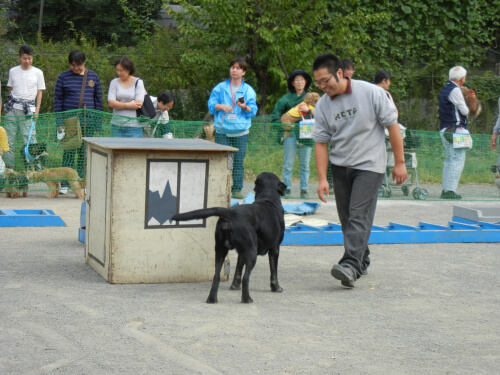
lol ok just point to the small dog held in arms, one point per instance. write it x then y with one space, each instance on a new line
252 229
53 177
294 115
473 104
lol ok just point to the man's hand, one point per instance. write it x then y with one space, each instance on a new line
323 187
493 141
321 155
399 173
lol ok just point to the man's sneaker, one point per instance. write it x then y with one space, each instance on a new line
450 195
64 190
344 274
237 195
288 193
303 194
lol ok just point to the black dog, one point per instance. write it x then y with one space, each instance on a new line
38 151
252 229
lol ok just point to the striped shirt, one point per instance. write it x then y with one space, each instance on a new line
68 89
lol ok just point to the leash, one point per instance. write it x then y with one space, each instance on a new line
30 158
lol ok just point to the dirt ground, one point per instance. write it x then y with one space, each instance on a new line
422 309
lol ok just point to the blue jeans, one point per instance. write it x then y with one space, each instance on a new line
453 165
290 148
356 193
126 132
238 156
21 125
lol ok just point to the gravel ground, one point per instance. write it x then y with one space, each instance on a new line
423 309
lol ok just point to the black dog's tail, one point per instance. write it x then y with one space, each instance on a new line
202 214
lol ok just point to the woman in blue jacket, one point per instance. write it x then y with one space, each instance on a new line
233 103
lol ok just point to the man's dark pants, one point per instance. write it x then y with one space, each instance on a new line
356 193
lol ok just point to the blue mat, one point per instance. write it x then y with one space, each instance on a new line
304 208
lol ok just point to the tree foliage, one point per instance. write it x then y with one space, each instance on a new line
417 41
275 36
124 22
427 36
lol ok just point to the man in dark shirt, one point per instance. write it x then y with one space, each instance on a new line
67 97
453 113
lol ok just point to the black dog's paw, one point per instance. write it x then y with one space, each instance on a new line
276 288
246 300
235 286
211 299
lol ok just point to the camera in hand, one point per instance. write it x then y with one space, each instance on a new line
241 100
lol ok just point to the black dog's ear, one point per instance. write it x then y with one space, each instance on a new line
258 185
281 188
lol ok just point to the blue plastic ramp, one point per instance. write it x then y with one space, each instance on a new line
30 218
456 231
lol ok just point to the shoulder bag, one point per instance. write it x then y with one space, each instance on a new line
72 129
148 109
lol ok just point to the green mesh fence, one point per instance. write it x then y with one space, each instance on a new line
424 156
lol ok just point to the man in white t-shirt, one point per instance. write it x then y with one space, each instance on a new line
26 84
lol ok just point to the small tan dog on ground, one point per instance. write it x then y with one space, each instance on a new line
17 184
53 177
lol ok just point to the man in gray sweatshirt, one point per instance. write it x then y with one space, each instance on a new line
351 118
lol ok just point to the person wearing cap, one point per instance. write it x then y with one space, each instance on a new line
298 83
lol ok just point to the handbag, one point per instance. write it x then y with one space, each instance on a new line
72 129
148 109
462 140
306 128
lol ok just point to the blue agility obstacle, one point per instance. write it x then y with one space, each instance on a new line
467 225
458 230
30 218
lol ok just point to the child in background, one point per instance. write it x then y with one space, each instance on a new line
208 129
163 103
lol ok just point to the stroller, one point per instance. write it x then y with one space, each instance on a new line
388 183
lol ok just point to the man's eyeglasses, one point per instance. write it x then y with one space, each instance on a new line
322 82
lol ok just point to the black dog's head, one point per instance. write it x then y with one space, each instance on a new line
35 149
268 184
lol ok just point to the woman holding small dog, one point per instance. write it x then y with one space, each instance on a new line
298 83
233 103
125 96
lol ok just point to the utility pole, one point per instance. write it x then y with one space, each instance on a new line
40 18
